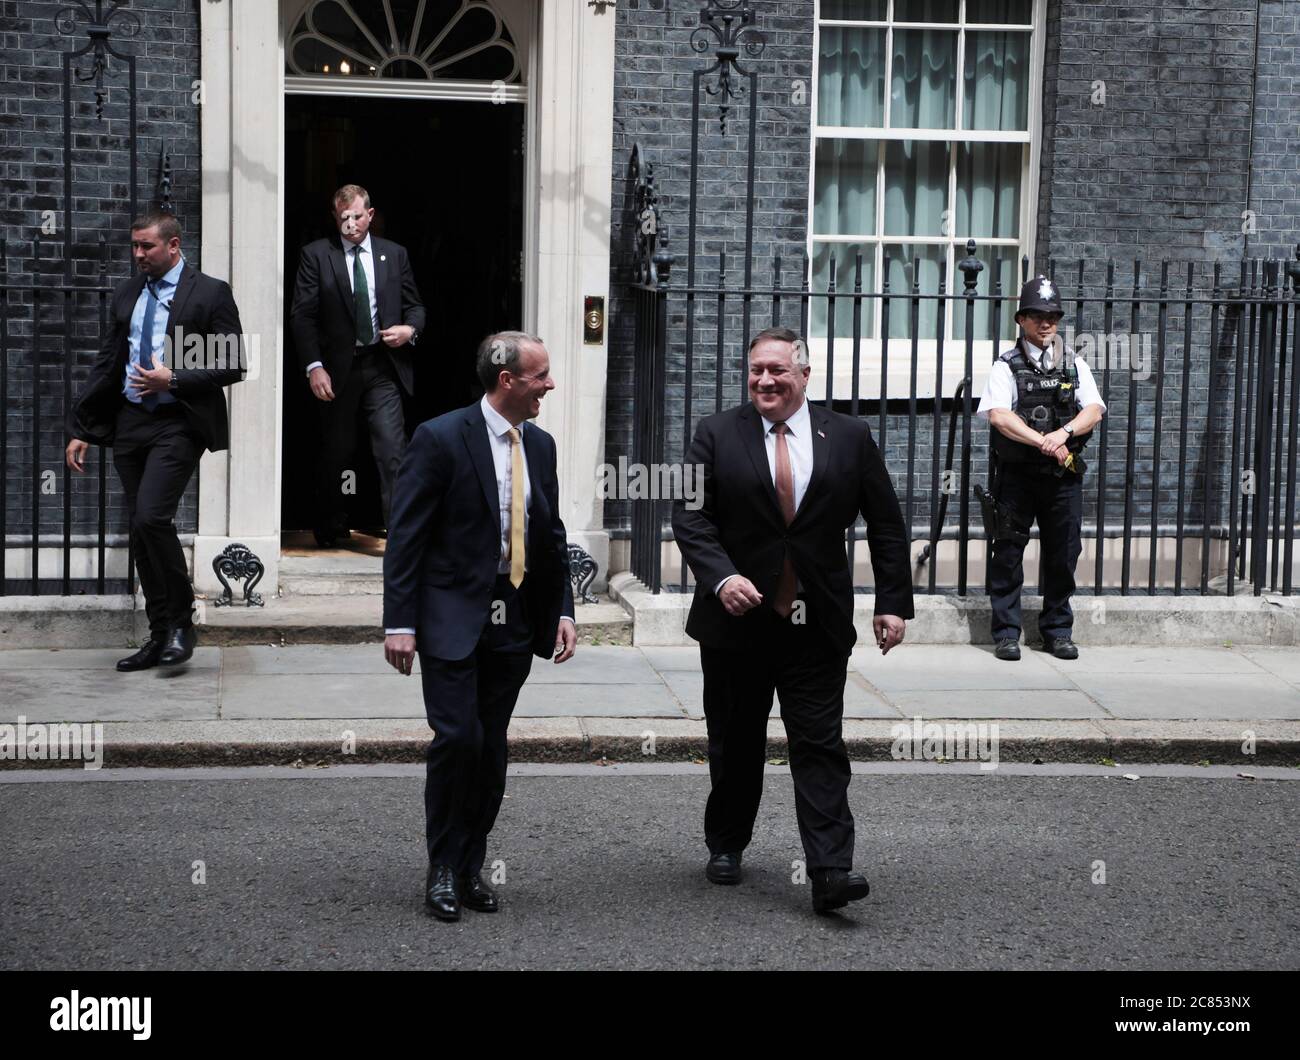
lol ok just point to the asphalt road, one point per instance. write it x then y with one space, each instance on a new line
605 870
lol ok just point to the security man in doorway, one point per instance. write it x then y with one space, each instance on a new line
1042 403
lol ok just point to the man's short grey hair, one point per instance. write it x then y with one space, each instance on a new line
500 351
800 355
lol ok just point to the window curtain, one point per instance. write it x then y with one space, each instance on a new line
844 190
995 88
844 256
851 77
923 92
916 172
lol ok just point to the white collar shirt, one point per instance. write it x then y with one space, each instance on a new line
368 265
798 440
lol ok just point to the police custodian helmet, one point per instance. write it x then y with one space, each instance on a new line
1040 295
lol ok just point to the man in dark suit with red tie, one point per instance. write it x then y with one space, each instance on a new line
356 317
773 606
156 396
476 579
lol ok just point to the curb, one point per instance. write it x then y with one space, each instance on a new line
575 740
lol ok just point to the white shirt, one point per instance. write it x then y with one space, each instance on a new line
1000 390
798 442
368 266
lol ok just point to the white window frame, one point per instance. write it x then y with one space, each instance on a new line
900 350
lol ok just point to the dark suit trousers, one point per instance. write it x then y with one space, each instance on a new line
1057 505
469 703
808 675
372 389
155 454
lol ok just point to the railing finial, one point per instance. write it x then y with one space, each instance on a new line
971 267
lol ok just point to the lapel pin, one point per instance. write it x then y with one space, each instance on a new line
821 434
383 257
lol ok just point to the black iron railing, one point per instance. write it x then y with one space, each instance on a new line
1202 447
43 324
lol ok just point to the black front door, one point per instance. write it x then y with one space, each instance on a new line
446 181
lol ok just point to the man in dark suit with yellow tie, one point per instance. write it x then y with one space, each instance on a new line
476 579
773 605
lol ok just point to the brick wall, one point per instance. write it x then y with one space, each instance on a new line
653 82
1161 171
32 166
1275 153
1158 172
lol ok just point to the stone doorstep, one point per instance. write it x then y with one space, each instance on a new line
633 615
571 740
1175 621
117 621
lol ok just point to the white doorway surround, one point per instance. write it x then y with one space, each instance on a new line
566 58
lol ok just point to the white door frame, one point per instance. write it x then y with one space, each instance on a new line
569 72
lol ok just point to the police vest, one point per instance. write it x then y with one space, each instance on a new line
1045 401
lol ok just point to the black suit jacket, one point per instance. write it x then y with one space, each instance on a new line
322 319
740 530
201 305
444 538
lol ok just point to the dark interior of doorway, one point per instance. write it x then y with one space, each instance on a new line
446 181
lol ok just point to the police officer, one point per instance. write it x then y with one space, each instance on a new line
1042 404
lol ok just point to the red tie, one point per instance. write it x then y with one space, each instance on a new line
783 602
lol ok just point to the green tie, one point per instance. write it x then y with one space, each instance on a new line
361 300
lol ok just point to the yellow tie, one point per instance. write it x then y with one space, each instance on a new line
516 552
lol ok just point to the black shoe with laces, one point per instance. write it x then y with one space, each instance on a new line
440 896
146 657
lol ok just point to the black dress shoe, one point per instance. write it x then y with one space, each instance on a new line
1007 649
477 895
146 657
834 888
723 868
440 896
1061 647
179 646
